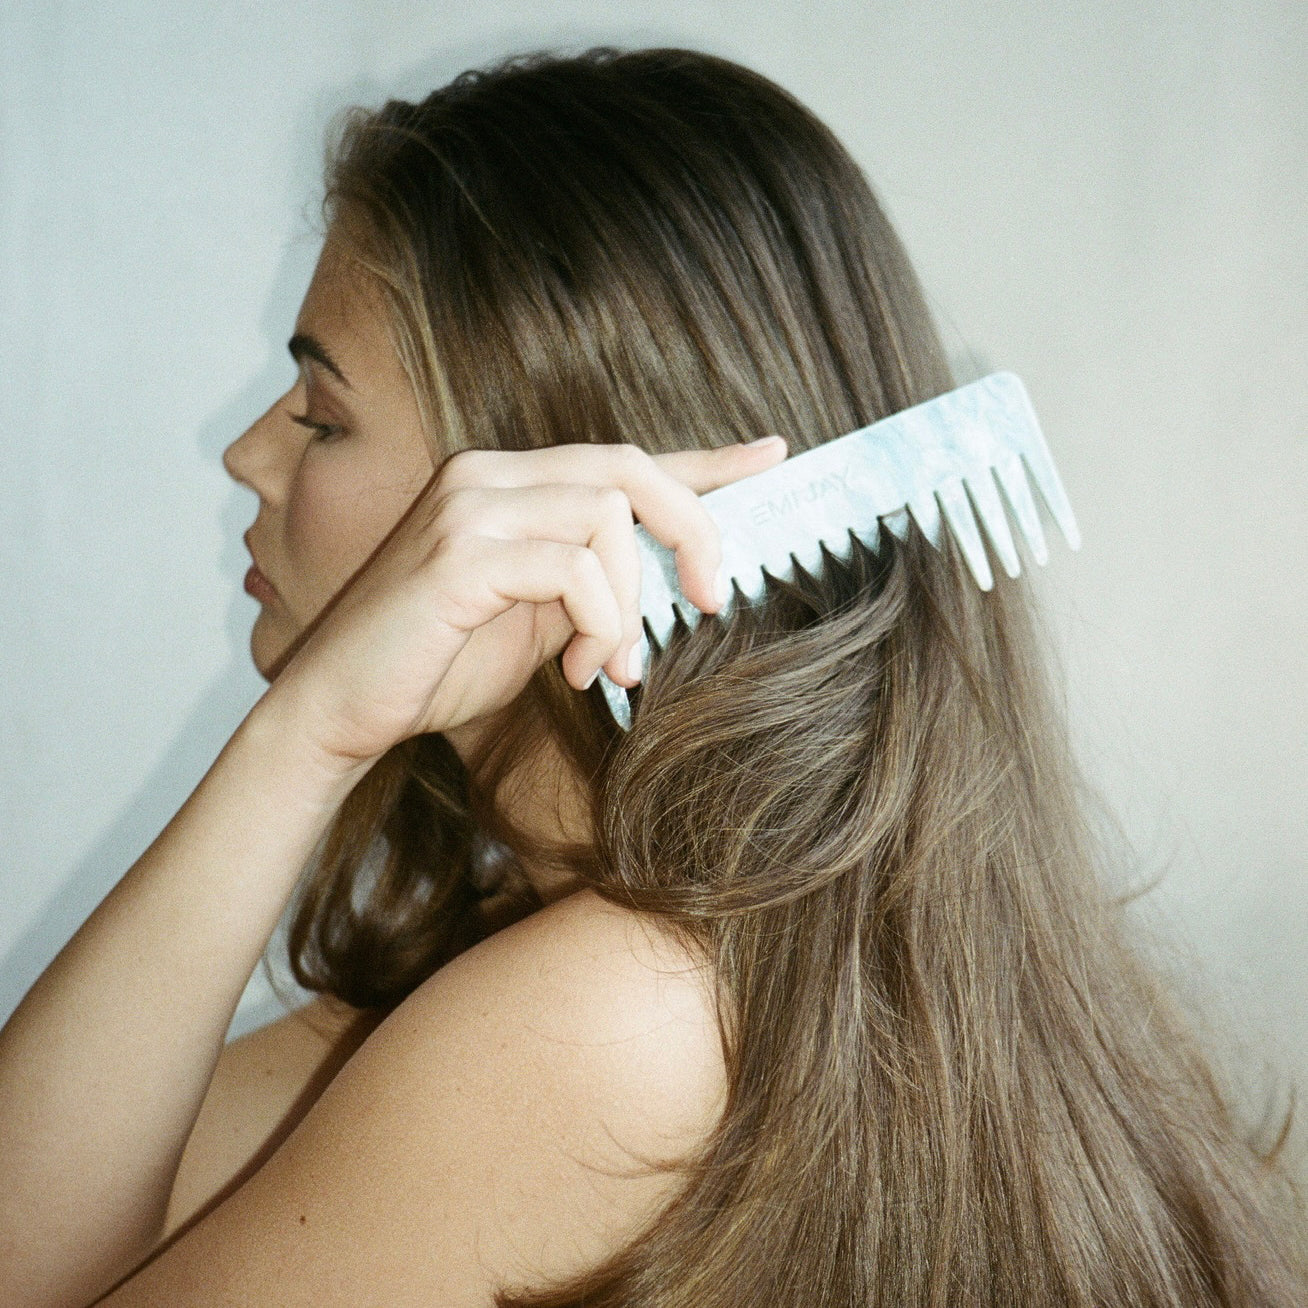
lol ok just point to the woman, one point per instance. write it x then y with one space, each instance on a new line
809 990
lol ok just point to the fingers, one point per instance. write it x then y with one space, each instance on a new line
543 571
591 522
662 491
691 532
706 470
614 541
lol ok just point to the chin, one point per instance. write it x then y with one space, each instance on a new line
269 649
262 665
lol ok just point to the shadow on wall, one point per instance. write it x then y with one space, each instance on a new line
220 706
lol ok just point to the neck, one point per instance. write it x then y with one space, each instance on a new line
540 794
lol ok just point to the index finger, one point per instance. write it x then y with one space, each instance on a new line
682 523
707 470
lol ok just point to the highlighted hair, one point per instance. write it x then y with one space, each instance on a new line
952 1078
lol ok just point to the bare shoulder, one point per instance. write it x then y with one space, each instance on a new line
263 1085
598 1030
613 988
505 1126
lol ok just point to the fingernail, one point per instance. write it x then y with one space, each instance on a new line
765 440
591 682
636 660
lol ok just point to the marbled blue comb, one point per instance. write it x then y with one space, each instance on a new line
942 463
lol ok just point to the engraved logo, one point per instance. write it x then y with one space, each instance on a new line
764 511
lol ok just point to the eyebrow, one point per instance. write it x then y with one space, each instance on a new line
303 346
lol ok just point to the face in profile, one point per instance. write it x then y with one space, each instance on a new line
335 461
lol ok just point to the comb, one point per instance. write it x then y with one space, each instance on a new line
942 463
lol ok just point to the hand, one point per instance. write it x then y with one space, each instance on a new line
504 559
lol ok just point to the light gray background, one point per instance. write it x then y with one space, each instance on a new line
1108 199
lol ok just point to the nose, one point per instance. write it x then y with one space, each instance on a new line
259 457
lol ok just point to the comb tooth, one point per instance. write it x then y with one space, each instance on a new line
809 556
751 584
661 621
777 562
927 512
1012 478
874 539
842 547
865 525
990 509
897 523
616 698
1045 476
958 513
799 565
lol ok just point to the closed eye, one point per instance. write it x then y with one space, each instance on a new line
321 430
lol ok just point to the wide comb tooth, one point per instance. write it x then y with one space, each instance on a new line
990 510
926 512
808 556
751 583
1045 476
1012 477
958 512
897 523
840 545
616 698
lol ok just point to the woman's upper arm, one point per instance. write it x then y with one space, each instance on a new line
488 1133
263 1085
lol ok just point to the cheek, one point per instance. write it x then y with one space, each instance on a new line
332 525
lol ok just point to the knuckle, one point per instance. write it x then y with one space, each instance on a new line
463 468
459 509
631 460
584 567
448 552
613 502
689 506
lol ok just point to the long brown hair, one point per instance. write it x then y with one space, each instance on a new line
951 1078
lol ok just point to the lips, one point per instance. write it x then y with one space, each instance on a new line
256 584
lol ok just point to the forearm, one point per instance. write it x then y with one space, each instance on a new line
105 1064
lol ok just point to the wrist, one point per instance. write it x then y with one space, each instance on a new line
278 730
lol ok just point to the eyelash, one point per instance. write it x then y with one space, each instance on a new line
322 431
